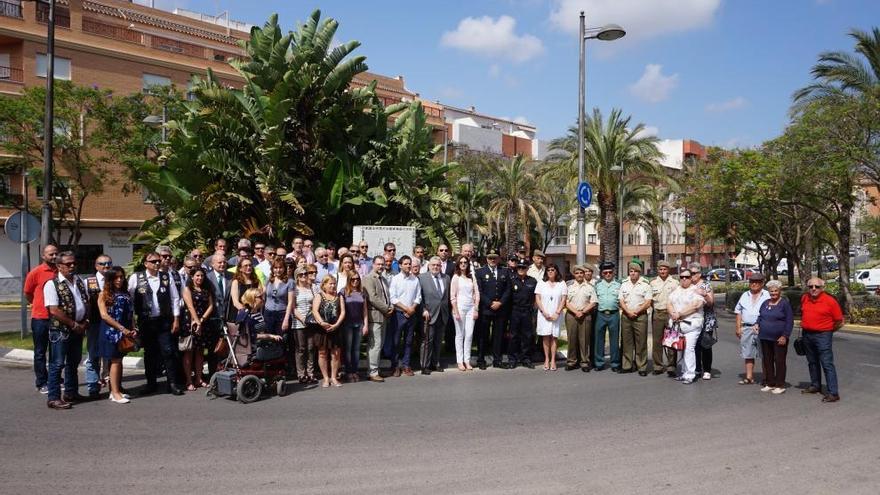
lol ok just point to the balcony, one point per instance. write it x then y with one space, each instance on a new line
111 31
174 46
62 15
11 74
10 8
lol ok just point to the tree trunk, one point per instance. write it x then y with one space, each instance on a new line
843 235
509 233
656 255
609 229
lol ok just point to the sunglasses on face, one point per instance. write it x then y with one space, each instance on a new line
197 256
390 250
259 248
688 277
607 272
165 256
551 269
70 264
105 263
270 254
815 286
151 261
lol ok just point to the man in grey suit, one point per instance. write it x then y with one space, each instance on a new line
220 281
379 303
436 310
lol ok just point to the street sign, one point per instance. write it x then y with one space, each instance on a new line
585 194
14 228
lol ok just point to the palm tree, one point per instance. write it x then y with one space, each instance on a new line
647 202
513 209
608 145
843 74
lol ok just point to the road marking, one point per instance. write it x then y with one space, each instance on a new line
869 364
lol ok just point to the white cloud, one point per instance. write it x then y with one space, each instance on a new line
724 106
642 19
654 86
648 131
489 37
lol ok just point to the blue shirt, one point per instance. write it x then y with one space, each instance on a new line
608 293
775 320
749 310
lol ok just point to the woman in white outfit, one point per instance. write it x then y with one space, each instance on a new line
465 298
686 307
550 297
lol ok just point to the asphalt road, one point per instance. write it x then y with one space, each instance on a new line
519 431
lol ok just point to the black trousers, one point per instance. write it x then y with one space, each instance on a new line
704 357
432 343
490 328
522 335
159 344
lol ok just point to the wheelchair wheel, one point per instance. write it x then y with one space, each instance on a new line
281 388
249 389
211 392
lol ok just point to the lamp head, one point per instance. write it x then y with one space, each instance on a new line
610 32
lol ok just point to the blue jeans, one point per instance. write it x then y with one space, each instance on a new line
820 355
351 353
93 361
40 334
403 327
612 324
65 353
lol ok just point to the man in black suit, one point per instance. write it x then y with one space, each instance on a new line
493 283
447 264
221 281
436 314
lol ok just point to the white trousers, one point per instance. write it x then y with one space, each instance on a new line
687 364
464 333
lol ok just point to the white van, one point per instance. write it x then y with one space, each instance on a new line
782 267
869 278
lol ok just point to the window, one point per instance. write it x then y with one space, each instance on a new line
62 67
10 8
152 80
60 189
591 238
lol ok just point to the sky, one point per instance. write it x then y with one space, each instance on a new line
721 72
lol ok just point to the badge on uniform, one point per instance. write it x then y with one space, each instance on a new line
162 289
487 276
515 287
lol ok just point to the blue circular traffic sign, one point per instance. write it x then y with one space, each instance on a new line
585 194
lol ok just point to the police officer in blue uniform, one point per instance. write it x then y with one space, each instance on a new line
522 302
493 282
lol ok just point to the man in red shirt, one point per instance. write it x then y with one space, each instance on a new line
821 317
33 290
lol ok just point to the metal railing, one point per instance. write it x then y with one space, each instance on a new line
62 15
111 31
10 9
12 74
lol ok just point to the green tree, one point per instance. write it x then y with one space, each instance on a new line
609 145
83 146
513 209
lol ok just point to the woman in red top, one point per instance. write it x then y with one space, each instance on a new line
821 317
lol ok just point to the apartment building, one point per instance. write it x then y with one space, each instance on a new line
469 130
112 44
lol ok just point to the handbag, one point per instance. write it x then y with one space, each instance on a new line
185 343
799 347
708 338
127 344
672 336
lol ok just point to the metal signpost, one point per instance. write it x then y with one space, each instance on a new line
23 228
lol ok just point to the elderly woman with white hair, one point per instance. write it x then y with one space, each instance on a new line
710 323
774 325
685 307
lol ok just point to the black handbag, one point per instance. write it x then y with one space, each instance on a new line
799 347
710 333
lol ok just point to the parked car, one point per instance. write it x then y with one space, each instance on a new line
870 278
720 275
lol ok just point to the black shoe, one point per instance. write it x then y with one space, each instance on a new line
570 367
586 369
438 369
657 372
72 398
174 390
498 365
426 371
626 371
810 390
482 366
671 374
599 368
615 369
529 365
643 373
94 395
511 365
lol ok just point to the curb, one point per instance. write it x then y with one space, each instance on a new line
24 356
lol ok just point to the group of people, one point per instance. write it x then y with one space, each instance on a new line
322 303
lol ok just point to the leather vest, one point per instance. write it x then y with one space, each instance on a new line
143 296
67 301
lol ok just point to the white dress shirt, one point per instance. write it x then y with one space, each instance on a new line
50 296
154 280
405 290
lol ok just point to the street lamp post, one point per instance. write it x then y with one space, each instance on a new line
48 129
467 217
609 32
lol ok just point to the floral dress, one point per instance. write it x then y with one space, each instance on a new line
209 331
121 311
